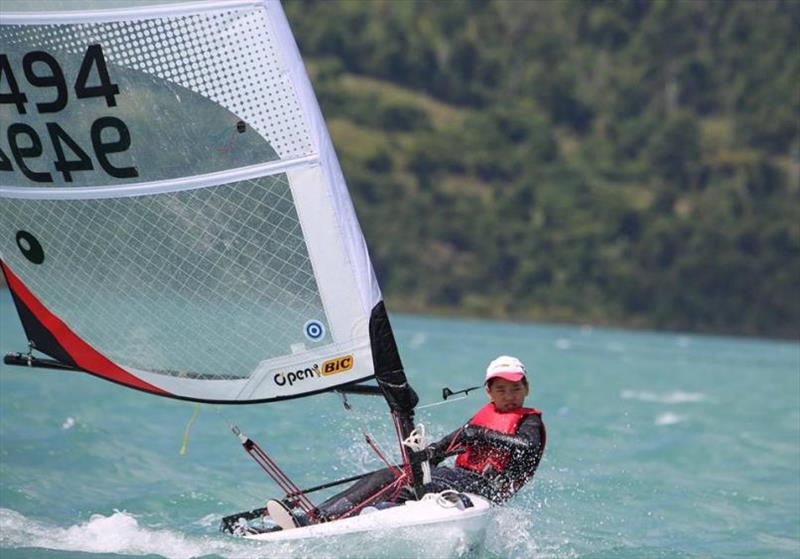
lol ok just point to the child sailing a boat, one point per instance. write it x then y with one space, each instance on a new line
497 452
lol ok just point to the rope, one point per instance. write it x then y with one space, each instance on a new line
432 404
404 454
371 442
417 443
187 430
277 475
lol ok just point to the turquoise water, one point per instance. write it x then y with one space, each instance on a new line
659 445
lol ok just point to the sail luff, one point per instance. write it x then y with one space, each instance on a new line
357 252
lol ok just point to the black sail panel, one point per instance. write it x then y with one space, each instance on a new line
391 377
38 335
388 367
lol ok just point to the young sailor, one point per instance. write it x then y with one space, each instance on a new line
498 451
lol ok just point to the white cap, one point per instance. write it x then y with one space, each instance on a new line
505 367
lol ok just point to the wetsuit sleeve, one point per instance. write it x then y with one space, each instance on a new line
444 447
520 441
527 454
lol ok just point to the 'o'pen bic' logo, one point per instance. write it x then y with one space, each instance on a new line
337 365
329 367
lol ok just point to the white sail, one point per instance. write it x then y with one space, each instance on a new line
172 213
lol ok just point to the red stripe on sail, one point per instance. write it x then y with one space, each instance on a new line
84 355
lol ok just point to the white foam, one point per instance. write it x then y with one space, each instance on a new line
209 520
670 418
118 533
69 423
563 343
510 535
674 397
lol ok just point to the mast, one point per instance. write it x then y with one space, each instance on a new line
391 378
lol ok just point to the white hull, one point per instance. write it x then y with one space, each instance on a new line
466 527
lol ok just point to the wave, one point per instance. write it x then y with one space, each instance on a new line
670 418
119 533
510 534
674 397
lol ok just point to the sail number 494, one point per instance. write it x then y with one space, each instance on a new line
108 134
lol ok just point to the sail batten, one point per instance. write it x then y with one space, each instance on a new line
168 8
157 187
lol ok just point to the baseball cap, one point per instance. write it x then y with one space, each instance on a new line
505 367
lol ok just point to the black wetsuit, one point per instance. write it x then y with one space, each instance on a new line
526 447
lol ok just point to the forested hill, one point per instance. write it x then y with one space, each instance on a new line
632 163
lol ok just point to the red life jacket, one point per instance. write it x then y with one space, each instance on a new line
482 457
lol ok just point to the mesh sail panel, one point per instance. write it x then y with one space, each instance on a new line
185 83
171 206
205 282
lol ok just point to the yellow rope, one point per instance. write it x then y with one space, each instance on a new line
187 430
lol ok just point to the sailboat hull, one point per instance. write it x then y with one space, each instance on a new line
464 528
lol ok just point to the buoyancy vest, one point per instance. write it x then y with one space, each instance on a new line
482 457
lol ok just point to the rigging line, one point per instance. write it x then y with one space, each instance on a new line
403 451
396 486
273 470
262 458
277 472
269 466
455 441
448 401
370 441
288 485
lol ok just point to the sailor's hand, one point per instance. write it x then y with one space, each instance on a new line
433 454
425 455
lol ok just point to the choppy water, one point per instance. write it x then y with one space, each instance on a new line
659 445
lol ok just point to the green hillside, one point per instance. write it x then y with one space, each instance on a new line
628 162
631 163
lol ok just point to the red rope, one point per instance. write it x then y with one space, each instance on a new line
377 451
397 485
454 442
404 453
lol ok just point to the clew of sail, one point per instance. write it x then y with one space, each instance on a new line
173 216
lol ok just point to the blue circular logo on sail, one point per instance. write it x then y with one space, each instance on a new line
314 330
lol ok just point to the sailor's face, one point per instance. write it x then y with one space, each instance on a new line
507 395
